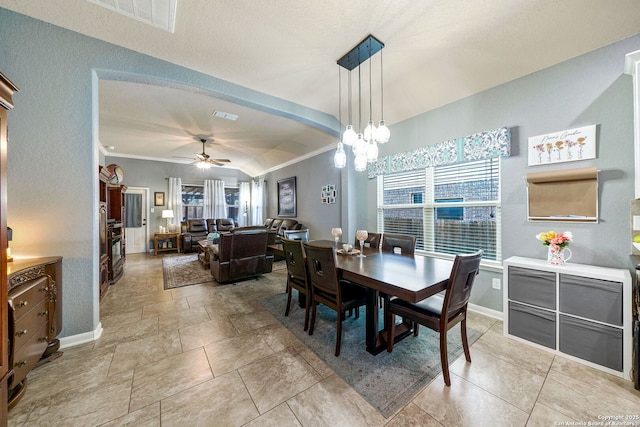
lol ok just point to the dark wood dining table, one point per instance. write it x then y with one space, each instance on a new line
410 277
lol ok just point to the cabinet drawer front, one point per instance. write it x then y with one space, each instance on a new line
28 355
28 324
29 295
533 287
590 341
591 298
532 324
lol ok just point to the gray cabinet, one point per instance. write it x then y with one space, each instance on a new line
580 311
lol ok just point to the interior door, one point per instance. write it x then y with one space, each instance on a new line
136 232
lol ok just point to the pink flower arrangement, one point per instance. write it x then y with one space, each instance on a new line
557 240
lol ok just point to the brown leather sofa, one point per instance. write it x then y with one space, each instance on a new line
240 254
192 230
225 224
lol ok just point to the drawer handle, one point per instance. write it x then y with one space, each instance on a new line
44 289
43 339
44 313
22 333
22 304
20 364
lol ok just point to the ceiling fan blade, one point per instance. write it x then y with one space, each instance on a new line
222 160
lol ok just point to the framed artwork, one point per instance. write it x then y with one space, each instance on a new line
328 194
158 198
287 197
563 146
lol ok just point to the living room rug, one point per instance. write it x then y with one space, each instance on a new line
387 381
184 270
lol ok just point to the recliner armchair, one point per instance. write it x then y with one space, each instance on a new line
192 230
225 225
240 254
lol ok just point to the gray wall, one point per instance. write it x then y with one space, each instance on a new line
154 174
311 175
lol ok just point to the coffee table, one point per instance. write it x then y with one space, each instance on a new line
203 252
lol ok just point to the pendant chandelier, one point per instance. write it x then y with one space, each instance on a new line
364 142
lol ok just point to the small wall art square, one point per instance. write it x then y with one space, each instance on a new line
328 194
564 146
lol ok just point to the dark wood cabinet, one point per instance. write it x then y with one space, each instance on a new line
7 89
103 278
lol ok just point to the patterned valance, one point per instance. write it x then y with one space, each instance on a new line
483 145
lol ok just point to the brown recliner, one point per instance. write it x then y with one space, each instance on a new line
240 254
192 230
224 225
211 226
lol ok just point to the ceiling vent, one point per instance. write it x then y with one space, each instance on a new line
223 115
157 13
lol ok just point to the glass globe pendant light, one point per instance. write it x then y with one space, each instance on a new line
349 136
370 130
382 133
340 158
372 151
360 161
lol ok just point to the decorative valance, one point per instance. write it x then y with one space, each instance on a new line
483 145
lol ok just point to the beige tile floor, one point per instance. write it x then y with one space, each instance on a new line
212 356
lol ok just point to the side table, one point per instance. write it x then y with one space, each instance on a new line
164 236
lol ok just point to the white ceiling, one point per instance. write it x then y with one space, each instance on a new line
435 52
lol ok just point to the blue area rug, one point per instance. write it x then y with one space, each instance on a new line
387 381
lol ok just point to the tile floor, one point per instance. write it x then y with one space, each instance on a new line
211 356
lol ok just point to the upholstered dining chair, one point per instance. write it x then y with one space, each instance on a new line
297 234
404 243
441 313
297 277
329 289
372 241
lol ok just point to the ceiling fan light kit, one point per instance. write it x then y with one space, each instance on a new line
363 142
203 160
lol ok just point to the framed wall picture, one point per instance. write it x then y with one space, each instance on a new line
158 198
563 146
287 197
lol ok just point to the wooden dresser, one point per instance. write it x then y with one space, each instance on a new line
35 317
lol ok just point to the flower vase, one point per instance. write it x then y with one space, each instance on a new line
556 255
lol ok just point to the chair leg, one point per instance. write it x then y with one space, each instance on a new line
391 331
357 312
465 343
313 317
444 358
338 336
416 328
286 312
306 313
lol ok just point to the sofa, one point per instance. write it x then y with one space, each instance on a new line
240 254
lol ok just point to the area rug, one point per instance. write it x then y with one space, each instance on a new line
184 270
387 381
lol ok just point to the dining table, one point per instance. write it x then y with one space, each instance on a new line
410 277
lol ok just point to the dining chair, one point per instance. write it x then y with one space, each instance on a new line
296 275
329 289
438 312
297 234
404 243
372 241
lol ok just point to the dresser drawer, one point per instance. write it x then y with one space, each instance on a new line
533 287
26 357
28 296
595 299
30 322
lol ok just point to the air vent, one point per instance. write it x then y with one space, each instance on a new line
157 13
223 115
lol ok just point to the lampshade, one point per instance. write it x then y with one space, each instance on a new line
340 158
167 213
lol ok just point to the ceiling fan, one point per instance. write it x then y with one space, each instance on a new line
203 160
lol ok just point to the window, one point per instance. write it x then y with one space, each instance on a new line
232 196
449 209
192 201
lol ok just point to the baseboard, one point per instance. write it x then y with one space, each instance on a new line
74 340
486 311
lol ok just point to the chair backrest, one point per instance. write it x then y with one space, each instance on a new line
372 241
267 223
211 226
196 225
463 273
321 267
297 235
295 258
275 224
287 224
249 242
224 224
406 244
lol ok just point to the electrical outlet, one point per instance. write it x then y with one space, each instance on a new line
496 283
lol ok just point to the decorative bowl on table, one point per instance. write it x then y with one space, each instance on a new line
348 252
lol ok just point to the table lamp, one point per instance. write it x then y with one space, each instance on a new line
9 237
167 213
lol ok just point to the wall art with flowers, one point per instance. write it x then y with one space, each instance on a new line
563 146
